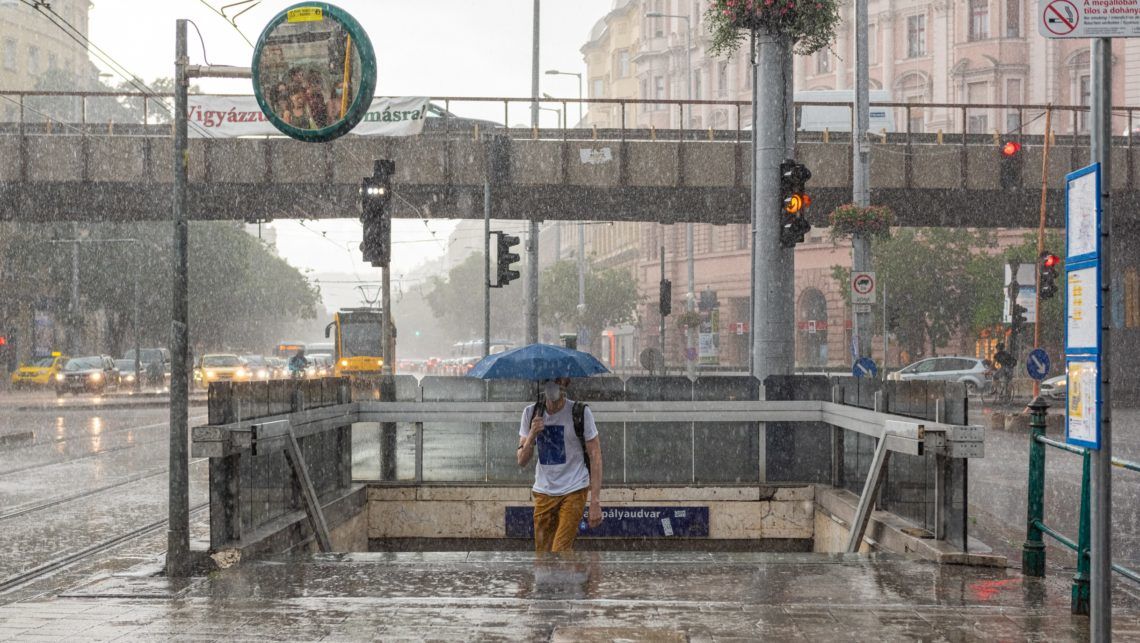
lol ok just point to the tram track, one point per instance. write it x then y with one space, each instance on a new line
59 500
28 576
96 452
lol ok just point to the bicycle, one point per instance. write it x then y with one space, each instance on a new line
1001 391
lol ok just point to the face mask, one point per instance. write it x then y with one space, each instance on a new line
552 391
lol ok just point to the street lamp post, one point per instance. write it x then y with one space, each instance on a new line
581 227
555 72
690 296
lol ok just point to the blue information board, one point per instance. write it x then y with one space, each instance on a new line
624 522
1083 305
1037 365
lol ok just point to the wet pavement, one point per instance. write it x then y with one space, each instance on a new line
588 596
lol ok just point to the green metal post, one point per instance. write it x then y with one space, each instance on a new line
1033 551
1080 602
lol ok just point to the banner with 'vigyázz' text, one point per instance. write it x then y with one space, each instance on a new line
232 116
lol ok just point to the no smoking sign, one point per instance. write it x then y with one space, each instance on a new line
862 288
1083 19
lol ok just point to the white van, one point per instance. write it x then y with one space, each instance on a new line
837 118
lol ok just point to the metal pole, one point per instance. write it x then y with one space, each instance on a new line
178 525
1033 549
886 333
861 175
691 333
579 100
486 267
532 241
1041 238
771 339
1100 620
388 376
581 282
135 322
74 303
659 305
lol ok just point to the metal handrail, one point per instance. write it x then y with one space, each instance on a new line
1033 551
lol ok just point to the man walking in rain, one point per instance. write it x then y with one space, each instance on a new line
569 464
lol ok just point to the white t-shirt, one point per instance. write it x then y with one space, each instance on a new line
561 467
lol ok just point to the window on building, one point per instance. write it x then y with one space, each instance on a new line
33 60
53 62
623 63
659 88
1013 97
722 79
598 88
872 44
657 24
10 54
977 121
742 234
916 36
697 95
823 62
1012 18
979 19
1083 95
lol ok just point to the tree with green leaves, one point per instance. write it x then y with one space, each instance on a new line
457 301
610 295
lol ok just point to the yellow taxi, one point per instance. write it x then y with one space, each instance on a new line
221 367
40 372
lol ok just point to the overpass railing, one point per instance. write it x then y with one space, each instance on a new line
662 431
137 113
1033 550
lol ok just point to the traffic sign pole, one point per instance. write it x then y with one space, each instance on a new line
1100 621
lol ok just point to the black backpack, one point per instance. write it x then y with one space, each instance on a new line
578 411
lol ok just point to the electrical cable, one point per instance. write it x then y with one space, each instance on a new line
201 40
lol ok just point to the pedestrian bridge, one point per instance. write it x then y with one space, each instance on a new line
108 172
698 465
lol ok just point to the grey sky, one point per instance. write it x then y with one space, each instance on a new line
436 48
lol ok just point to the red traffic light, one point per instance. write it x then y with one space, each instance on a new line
1050 261
3 340
1011 148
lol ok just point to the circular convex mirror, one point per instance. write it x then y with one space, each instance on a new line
314 72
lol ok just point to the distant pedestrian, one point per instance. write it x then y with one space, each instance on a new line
569 466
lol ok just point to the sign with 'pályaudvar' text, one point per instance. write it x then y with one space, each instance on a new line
624 522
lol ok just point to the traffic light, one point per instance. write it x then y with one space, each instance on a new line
375 194
794 201
665 301
503 272
1017 317
1011 162
1047 274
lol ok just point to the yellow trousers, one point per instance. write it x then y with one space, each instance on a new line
556 520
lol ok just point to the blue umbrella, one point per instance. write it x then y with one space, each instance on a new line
537 362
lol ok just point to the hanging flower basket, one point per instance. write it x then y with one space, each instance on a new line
873 221
810 24
689 319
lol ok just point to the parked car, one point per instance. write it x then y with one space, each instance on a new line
92 374
38 373
320 365
1056 387
971 371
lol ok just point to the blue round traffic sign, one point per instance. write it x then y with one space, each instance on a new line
1037 365
863 367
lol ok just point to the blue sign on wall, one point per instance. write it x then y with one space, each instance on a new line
864 367
624 522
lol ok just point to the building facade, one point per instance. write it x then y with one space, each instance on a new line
33 49
981 52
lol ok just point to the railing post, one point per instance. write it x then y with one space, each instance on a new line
1033 551
1080 601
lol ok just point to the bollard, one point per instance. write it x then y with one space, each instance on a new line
1033 551
1080 601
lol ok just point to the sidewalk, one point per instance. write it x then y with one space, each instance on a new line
591 596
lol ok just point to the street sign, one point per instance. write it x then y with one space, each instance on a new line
1037 365
314 72
1084 19
864 367
862 288
1083 306
1026 293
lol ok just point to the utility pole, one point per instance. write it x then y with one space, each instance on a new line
861 165
1100 135
178 509
581 283
532 238
773 280
487 266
